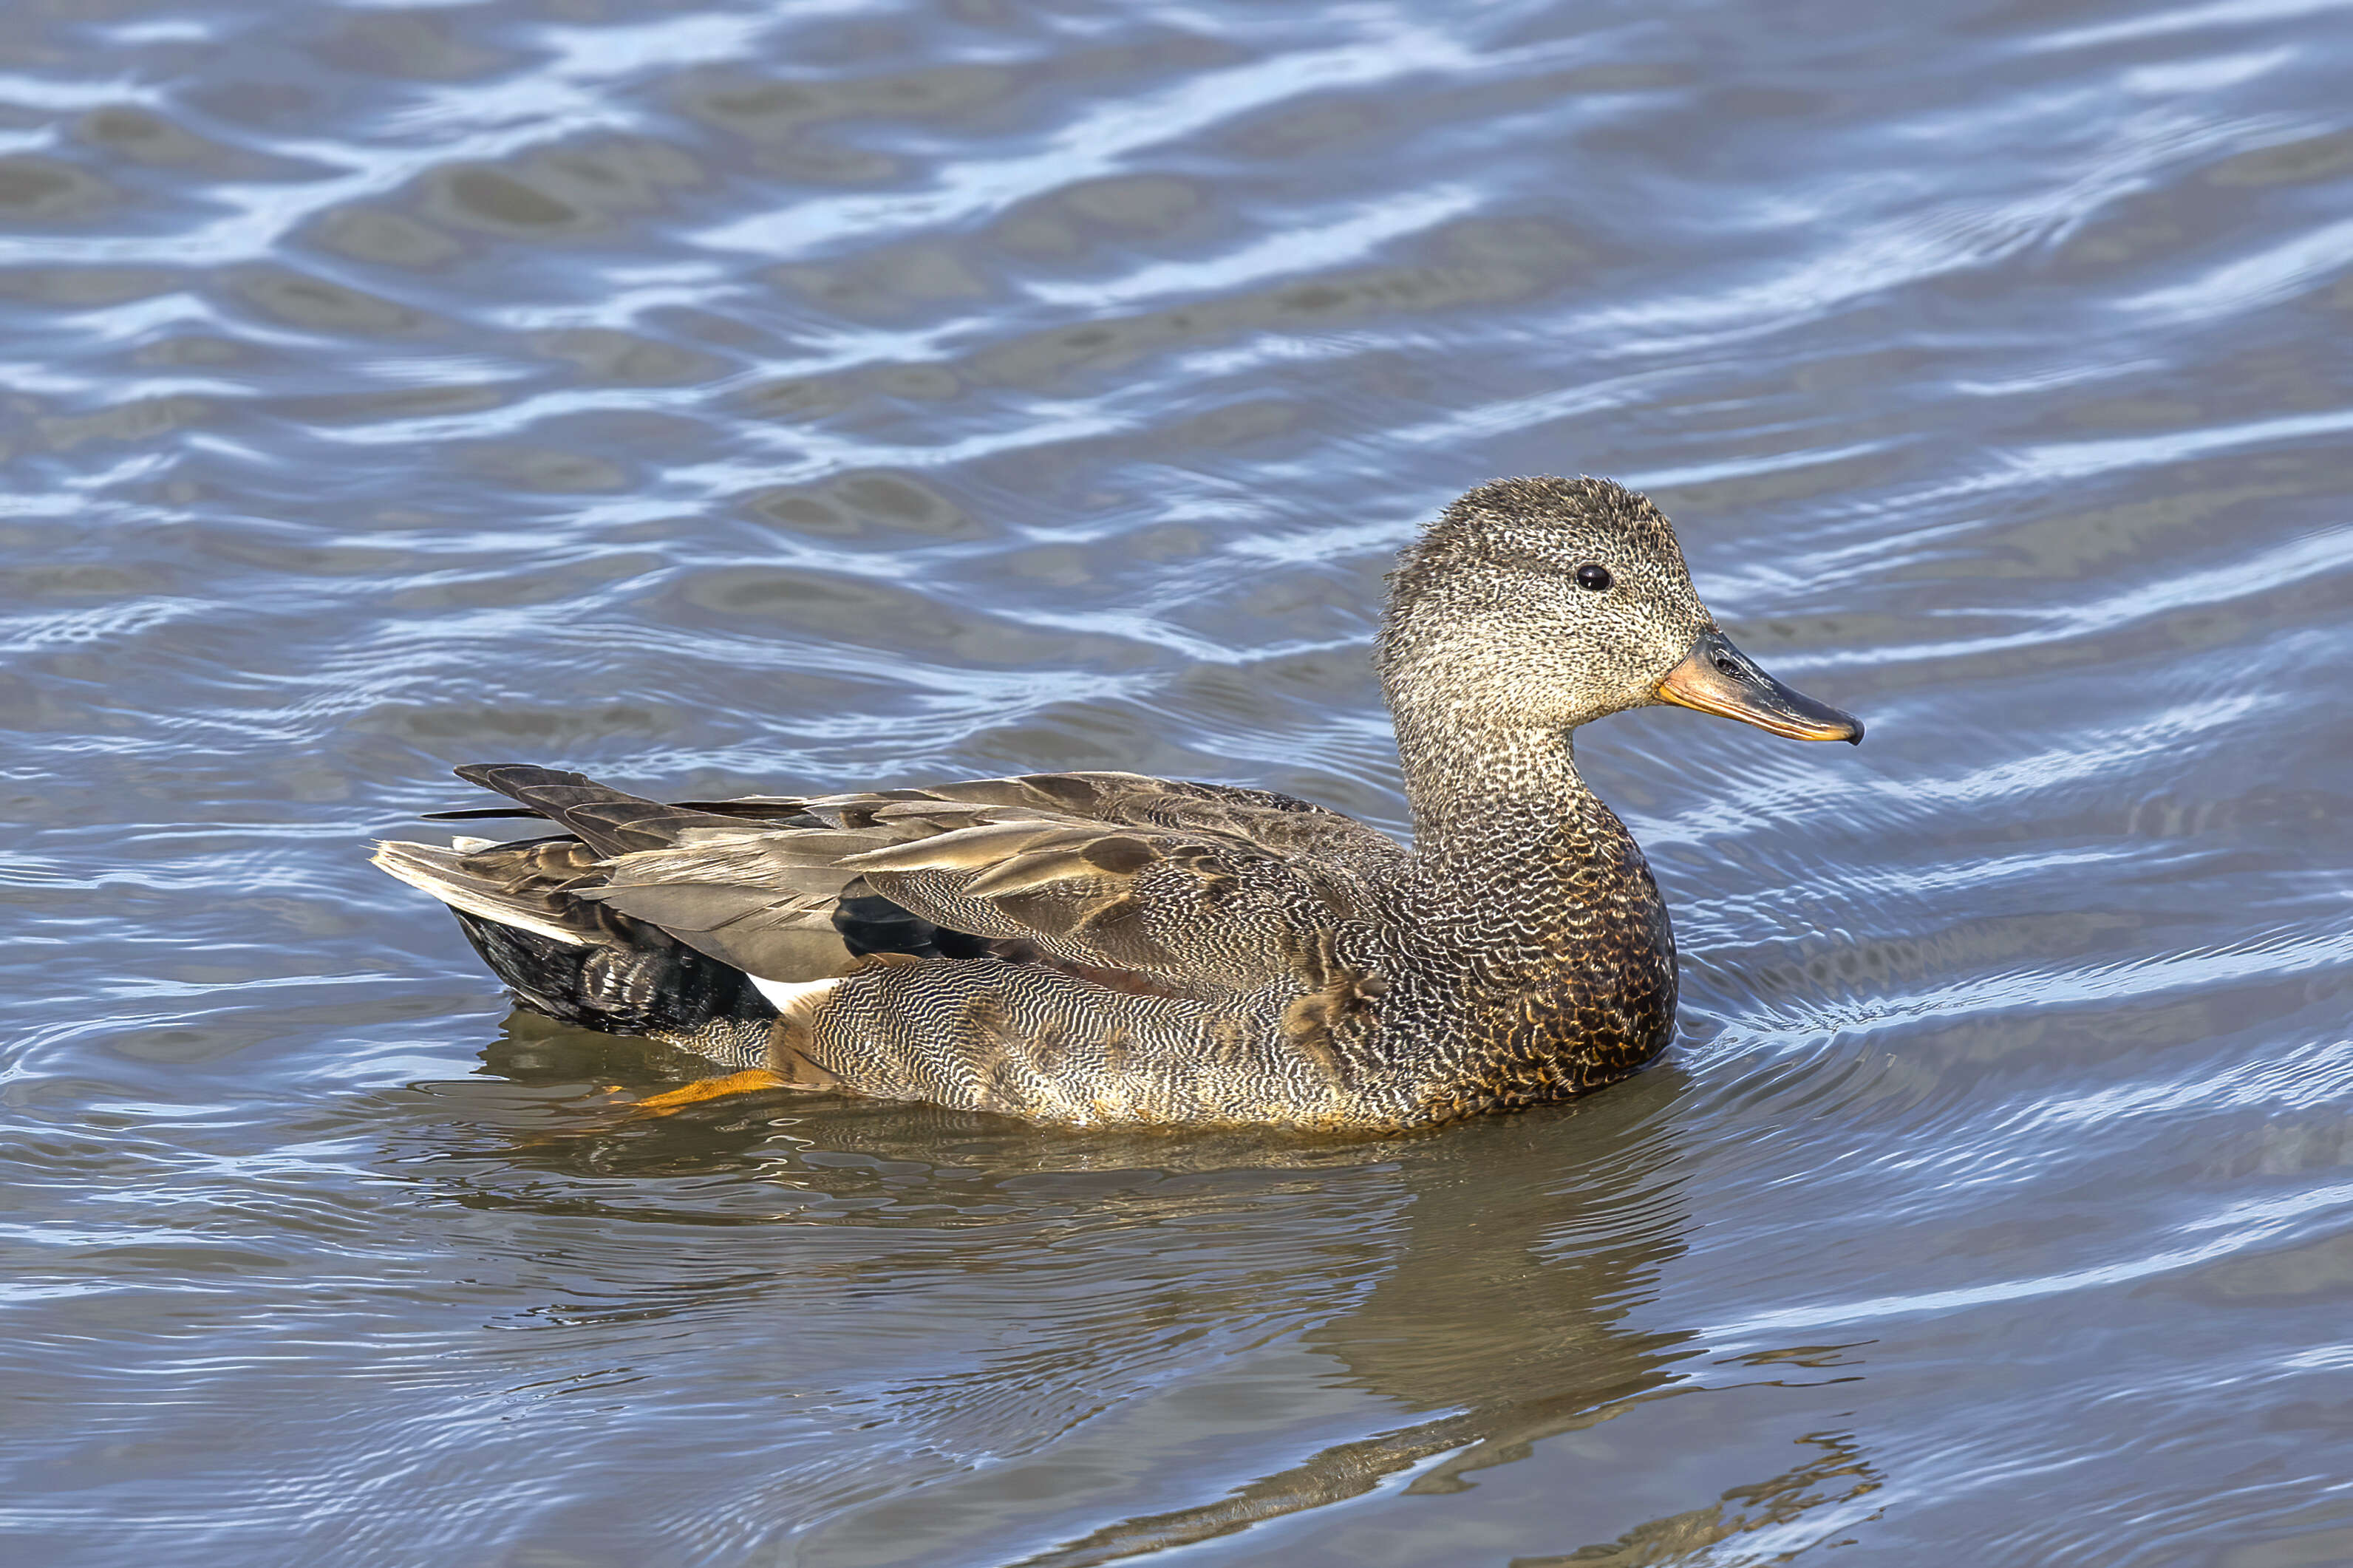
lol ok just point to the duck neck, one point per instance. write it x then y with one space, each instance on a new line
1495 799
1543 963
1552 942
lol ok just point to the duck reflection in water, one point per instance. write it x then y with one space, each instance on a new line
1483 1284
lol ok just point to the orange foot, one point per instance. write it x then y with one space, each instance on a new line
702 1089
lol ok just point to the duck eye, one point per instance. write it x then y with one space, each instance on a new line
1593 575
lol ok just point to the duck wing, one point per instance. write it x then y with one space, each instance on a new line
1146 885
1263 818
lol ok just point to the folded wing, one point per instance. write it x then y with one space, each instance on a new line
1142 884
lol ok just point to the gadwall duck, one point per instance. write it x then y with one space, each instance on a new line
1103 947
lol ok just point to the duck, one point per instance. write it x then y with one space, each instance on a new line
1108 949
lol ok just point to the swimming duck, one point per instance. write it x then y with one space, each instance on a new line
1095 948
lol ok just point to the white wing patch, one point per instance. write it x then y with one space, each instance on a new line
789 994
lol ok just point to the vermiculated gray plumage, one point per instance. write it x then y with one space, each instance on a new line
1089 948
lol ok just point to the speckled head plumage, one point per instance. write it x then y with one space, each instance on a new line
1539 602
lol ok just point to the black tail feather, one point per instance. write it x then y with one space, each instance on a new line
656 986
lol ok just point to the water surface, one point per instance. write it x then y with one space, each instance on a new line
720 397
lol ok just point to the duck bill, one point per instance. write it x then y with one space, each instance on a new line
1717 678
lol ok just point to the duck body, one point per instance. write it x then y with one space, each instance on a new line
1104 948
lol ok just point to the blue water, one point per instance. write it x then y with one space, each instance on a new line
717 396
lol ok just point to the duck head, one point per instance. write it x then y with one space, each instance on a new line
1544 603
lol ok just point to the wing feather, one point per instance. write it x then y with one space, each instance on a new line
1197 887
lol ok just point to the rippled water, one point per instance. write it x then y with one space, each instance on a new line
717 396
